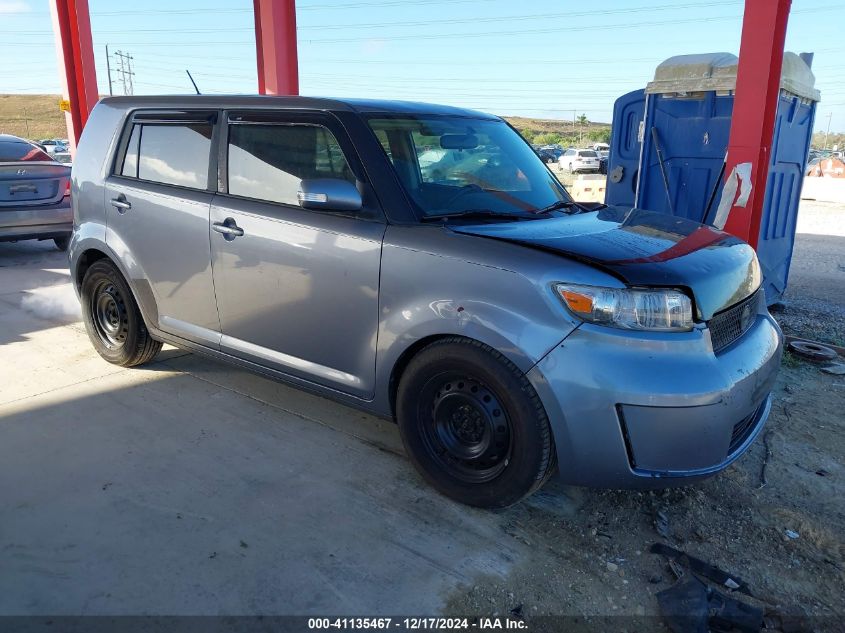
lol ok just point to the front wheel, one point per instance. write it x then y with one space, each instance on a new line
112 318
473 425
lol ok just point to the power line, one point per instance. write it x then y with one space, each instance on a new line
430 36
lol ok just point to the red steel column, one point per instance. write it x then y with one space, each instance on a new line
75 53
275 45
755 106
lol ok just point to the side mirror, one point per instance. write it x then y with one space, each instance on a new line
328 194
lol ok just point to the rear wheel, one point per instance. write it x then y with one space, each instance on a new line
473 425
112 318
62 242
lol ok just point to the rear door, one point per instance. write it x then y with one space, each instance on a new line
158 199
298 290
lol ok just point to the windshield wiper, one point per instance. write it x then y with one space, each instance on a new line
477 213
573 207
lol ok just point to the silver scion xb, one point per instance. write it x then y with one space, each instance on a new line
422 263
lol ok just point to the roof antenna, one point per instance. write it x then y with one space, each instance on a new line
192 81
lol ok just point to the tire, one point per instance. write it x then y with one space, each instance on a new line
571 170
62 242
473 425
112 318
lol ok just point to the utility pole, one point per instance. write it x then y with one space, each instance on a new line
125 71
108 69
829 116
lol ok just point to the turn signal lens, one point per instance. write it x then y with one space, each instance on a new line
632 309
67 189
577 302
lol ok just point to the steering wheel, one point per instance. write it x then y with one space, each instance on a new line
470 188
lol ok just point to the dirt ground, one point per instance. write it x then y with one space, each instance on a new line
594 560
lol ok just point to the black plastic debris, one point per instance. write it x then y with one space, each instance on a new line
684 606
698 566
689 606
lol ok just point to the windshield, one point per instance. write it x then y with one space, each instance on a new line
452 164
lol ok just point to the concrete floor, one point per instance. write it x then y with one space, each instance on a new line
189 487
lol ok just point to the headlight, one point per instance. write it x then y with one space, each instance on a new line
654 310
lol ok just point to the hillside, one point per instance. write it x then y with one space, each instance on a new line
38 116
32 116
551 131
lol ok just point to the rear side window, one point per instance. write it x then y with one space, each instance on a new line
268 161
175 154
14 151
130 159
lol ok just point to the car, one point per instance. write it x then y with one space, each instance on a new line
512 333
65 158
550 153
602 149
547 155
579 160
52 145
34 194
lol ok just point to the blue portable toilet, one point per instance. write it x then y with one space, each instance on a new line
682 119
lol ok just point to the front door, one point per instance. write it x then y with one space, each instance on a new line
157 202
297 290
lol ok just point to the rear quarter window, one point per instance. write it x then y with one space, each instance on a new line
21 151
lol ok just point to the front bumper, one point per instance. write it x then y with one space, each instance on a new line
37 222
651 409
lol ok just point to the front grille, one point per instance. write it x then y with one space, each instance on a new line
742 430
728 325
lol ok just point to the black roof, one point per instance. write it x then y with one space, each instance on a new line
310 103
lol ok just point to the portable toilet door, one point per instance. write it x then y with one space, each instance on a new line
625 141
686 128
790 145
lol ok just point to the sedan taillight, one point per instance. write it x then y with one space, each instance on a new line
67 189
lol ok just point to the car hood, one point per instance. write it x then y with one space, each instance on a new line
644 248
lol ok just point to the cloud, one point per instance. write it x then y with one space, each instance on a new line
14 6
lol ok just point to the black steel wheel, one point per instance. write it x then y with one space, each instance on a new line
111 322
112 318
473 425
468 430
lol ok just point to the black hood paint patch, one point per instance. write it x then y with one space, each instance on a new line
644 248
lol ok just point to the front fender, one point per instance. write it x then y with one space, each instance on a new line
425 295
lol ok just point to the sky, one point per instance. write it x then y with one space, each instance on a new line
538 59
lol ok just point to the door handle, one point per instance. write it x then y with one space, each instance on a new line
228 228
121 204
